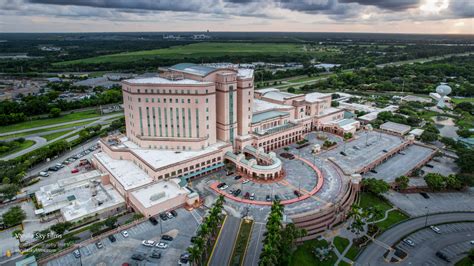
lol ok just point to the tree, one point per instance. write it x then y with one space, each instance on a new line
15 215
347 135
110 222
464 132
17 234
402 182
334 103
435 181
465 160
55 112
60 228
6 180
95 228
465 106
291 90
9 190
375 186
428 136
194 253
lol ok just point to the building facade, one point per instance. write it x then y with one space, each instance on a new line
192 119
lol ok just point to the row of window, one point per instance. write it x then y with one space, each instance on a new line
169 91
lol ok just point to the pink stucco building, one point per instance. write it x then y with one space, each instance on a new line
191 119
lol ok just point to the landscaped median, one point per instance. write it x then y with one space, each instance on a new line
241 243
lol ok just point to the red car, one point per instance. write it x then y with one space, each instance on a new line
75 170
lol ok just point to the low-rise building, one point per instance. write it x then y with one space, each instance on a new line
396 128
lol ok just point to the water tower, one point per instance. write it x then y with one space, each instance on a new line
443 89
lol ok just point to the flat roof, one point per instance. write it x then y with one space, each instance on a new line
160 80
267 115
193 69
260 106
263 91
126 172
245 73
395 127
279 95
159 192
315 96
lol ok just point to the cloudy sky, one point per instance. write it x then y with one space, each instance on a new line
405 16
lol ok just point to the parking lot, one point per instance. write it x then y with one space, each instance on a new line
181 228
415 205
365 149
453 241
400 164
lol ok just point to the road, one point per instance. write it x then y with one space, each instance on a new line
255 245
95 121
373 254
225 242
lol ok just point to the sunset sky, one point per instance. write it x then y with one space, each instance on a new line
376 16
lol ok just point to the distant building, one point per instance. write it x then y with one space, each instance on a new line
327 67
97 82
399 129
437 97
414 98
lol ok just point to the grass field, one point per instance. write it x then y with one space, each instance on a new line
52 136
50 121
28 143
303 255
198 50
241 243
465 262
392 218
340 243
352 252
23 134
368 200
461 100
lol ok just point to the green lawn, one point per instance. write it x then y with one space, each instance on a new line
460 100
50 121
199 50
368 200
340 243
465 262
52 136
28 143
392 218
241 243
303 255
343 263
352 252
23 134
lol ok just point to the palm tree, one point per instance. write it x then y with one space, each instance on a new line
17 234
195 253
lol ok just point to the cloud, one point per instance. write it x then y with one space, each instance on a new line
396 5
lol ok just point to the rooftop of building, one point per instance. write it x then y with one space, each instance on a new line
126 172
316 96
279 95
395 127
194 69
159 192
160 80
260 106
257 118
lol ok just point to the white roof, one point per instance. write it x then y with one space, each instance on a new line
315 96
395 127
245 73
159 80
417 132
263 91
279 95
158 192
161 158
126 172
260 106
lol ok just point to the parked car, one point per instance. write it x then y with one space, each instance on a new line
112 238
156 254
472 242
237 192
297 193
429 165
162 245
435 229
442 256
99 245
153 220
169 215
424 195
75 170
277 197
124 233
237 177
60 165
44 174
229 173
163 216
268 198
54 168
246 195
184 259
245 181
224 187
174 213
384 150
409 242
138 257
167 237
77 253
252 196
343 153
373 171
148 243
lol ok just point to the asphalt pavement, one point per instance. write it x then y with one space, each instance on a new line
373 253
225 243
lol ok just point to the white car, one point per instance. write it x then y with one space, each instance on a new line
435 229
162 245
44 174
148 243
169 215
245 181
124 233
409 242
224 187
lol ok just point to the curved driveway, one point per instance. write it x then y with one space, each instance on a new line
40 142
373 253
